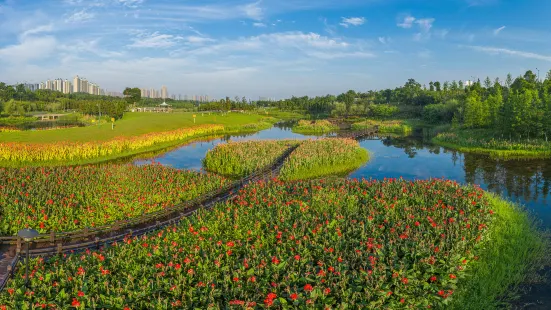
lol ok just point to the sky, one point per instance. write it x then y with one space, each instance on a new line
271 48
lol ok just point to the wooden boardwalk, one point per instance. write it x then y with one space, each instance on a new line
12 249
56 243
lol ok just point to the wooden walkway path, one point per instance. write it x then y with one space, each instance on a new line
11 247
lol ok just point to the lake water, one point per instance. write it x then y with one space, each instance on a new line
527 182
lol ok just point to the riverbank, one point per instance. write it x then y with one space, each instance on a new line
67 153
481 141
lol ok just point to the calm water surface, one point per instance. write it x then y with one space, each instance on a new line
527 182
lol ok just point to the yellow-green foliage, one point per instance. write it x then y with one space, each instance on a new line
391 126
319 126
316 158
239 159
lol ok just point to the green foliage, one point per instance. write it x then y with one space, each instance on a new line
319 126
132 95
317 158
440 113
484 142
239 159
392 126
382 111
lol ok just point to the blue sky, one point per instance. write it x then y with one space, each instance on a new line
271 48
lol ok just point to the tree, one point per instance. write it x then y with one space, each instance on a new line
548 77
132 95
437 86
509 80
487 83
476 113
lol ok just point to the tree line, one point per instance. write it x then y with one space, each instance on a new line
519 107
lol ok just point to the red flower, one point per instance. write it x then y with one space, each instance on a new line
417 223
297 257
452 276
433 279
327 291
308 288
294 296
235 279
405 280
80 293
275 260
252 279
230 243
75 303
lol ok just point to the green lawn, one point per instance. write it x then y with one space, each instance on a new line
132 124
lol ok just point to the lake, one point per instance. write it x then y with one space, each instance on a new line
527 181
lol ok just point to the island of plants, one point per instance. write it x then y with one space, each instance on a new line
72 198
311 159
483 142
386 126
323 157
366 244
239 159
314 127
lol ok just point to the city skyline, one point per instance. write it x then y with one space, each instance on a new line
272 48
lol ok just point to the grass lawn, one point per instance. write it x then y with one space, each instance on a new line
132 124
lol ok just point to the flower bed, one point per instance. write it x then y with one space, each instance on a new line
239 159
28 153
64 199
358 244
319 126
316 158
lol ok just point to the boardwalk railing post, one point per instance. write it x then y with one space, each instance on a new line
52 237
97 243
18 250
59 248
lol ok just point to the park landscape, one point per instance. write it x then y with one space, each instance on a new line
303 235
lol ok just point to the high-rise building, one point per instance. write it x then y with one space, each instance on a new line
152 93
76 84
164 92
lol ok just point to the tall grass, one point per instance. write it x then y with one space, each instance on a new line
481 142
388 126
511 250
239 159
317 158
319 126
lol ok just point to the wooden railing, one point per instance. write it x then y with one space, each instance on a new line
64 242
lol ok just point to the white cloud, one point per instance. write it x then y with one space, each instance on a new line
253 10
330 29
496 51
385 40
131 3
259 25
198 40
498 30
28 49
407 23
352 21
425 24
155 40
334 55
80 16
38 29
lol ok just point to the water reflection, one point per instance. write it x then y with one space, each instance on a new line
527 182
412 157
